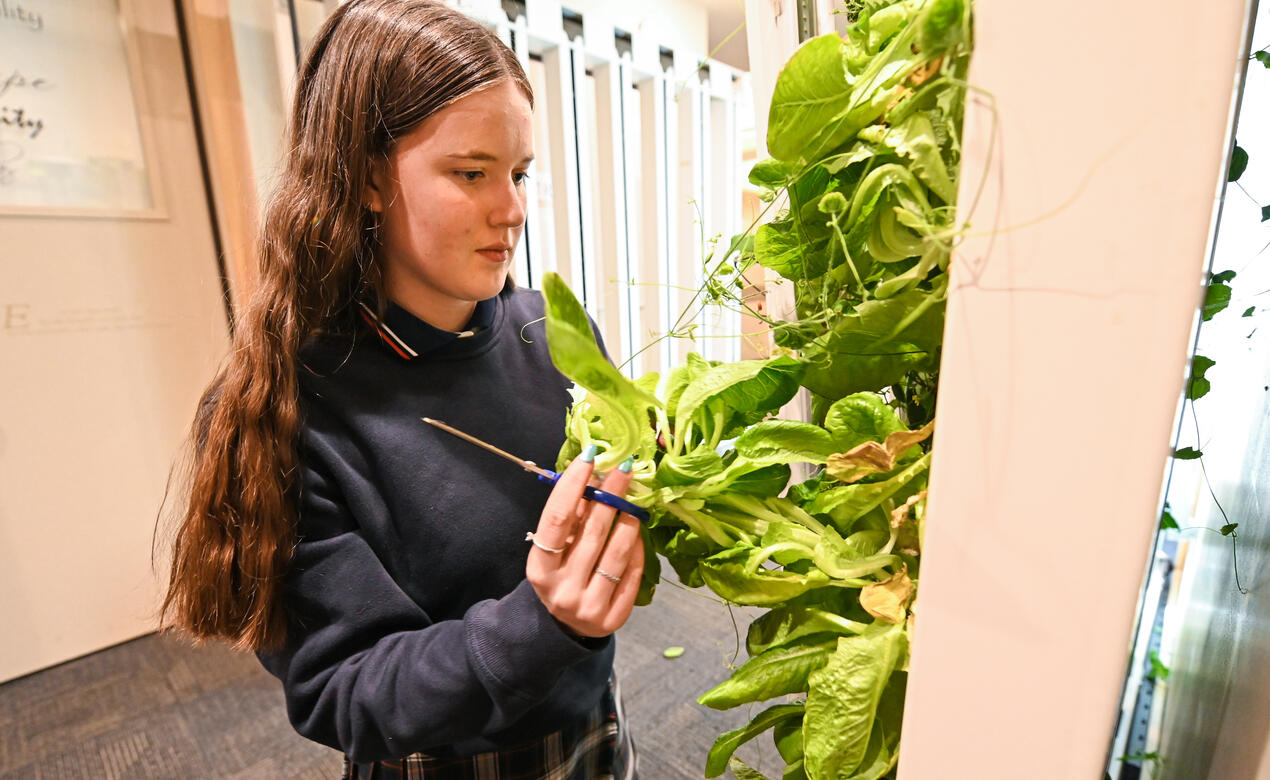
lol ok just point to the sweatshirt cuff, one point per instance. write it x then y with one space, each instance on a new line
518 645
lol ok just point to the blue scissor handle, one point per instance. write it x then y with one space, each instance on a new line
592 493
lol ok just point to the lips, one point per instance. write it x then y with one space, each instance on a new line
499 253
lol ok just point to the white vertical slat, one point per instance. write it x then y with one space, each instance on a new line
540 231
543 18
563 144
491 14
654 255
586 270
632 154
668 274
610 259
688 202
708 231
725 200
485 10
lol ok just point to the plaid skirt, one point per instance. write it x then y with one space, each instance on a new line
599 748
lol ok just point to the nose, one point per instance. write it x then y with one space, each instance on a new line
508 209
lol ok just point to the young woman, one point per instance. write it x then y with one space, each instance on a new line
379 567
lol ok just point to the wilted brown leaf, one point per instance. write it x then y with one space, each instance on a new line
886 600
872 457
900 513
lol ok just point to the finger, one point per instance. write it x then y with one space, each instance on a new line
624 594
559 514
594 533
615 560
584 504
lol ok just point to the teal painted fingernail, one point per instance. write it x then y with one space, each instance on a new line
588 454
627 464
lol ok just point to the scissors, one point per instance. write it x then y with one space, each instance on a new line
546 475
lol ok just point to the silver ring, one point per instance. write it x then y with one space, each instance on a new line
529 537
607 576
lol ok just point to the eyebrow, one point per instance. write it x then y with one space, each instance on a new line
484 157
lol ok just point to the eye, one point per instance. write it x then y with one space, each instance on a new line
470 175
520 177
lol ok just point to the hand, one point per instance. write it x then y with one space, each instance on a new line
569 582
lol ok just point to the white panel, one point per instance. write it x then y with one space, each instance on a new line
610 259
686 208
585 271
629 272
516 35
669 272
562 143
1066 347
490 11
654 226
543 17
725 213
771 31
597 31
541 226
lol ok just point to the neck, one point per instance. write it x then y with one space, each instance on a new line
446 314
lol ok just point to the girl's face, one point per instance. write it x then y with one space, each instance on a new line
451 197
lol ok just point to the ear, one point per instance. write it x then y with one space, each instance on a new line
373 193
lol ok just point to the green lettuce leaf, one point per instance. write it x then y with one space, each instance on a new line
744 386
845 504
784 624
915 139
775 672
861 417
690 468
842 702
727 574
779 247
785 441
726 744
575 353
876 346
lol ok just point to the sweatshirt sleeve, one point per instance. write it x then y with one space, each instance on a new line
366 671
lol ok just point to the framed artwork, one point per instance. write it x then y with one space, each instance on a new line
73 121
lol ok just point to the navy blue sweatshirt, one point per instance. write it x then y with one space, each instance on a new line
411 626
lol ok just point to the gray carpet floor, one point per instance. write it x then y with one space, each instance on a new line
157 707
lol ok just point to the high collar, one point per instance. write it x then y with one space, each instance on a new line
408 337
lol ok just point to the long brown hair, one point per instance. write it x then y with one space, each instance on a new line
375 71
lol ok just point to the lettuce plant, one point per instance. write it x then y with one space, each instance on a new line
864 133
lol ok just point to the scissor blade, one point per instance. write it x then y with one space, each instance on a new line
527 465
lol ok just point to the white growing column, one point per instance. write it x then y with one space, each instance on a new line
1072 309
